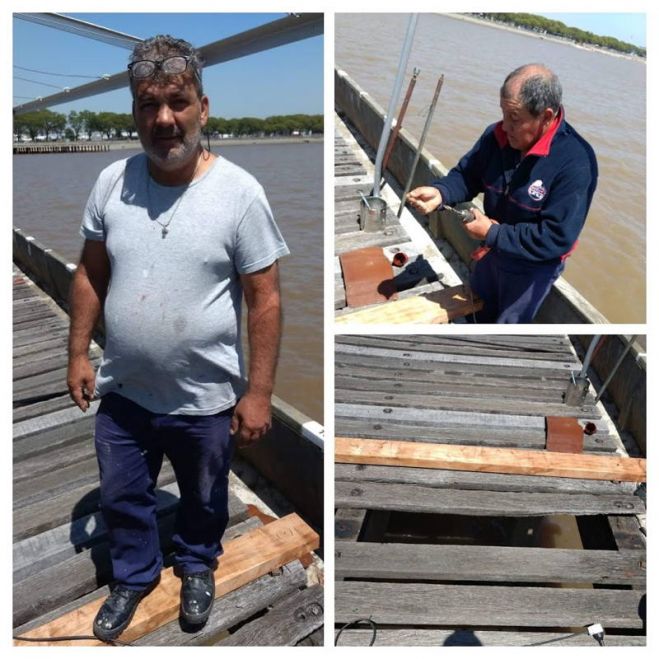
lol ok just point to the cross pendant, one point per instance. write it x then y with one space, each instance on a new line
165 231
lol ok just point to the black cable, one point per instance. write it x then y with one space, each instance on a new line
45 84
55 639
62 75
356 622
556 640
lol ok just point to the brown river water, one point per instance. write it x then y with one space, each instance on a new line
604 98
50 192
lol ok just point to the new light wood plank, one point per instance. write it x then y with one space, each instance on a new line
439 307
245 559
485 459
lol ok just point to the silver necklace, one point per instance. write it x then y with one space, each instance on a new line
165 226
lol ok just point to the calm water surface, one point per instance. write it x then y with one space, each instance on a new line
604 99
50 192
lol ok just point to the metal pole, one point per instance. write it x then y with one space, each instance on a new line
398 83
417 155
399 121
616 367
589 355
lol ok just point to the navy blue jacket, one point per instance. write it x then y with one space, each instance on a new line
541 200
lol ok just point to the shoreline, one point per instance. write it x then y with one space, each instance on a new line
135 144
546 37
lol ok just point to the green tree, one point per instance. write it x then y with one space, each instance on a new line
76 122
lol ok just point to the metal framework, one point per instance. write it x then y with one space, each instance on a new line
265 37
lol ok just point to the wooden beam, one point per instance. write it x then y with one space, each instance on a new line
417 604
438 307
412 562
485 459
246 558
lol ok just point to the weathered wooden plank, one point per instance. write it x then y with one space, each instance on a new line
54 482
564 366
290 620
315 639
47 406
232 608
528 606
454 346
345 385
49 513
465 637
443 418
391 561
468 480
79 531
246 558
471 458
438 375
60 418
398 363
419 499
460 434
627 532
477 402
42 463
348 523
358 239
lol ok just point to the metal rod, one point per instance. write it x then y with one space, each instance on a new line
399 121
398 83
616 367
417 155
589 355
365 200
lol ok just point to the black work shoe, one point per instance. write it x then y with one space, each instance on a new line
197 596
117 611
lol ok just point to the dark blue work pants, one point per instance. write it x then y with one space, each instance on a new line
130 445
512 290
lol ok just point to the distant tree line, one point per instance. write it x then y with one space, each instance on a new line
45 124
559 29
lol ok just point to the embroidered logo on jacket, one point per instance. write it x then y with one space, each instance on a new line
537 191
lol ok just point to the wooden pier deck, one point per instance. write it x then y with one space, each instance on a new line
426 270
439 557
61 559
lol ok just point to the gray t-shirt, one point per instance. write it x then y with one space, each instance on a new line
172 311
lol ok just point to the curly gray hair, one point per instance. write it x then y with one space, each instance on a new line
162 46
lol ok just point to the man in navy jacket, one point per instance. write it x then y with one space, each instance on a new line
537 176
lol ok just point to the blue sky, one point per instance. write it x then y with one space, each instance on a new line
626 27
284 80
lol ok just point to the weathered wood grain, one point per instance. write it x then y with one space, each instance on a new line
413 562
527 606
465 637
469 480
418 499
290 620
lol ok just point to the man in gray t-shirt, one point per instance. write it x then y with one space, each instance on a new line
173 238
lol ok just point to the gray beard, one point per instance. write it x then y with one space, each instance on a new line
178 156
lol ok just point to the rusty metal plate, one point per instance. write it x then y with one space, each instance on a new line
368 277
564 435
